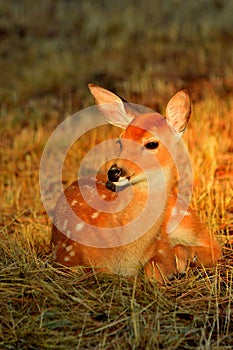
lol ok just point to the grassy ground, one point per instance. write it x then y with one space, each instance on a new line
49 51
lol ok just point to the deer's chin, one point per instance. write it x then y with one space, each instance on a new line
117 186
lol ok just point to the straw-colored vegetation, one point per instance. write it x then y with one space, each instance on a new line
49 51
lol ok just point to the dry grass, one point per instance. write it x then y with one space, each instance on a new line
45 69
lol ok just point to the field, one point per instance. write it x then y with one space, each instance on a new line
144 51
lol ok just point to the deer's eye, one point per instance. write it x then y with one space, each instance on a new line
152 145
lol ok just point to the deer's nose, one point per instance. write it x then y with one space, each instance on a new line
114 173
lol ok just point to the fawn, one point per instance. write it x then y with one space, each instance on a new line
162 253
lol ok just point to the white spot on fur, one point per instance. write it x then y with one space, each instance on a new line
161 251
65 224
66 258
88 187
174 211
69 248
184 212
79 226
74 202
72 253
68 233
95 215
103 196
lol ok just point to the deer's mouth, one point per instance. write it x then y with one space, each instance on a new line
117 186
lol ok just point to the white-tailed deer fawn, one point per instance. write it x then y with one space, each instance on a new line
161 252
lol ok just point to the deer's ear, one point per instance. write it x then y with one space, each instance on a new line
178 111
111 106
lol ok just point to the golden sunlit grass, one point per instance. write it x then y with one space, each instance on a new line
46 306
50 307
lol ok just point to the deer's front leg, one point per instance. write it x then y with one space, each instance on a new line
162 265
168 261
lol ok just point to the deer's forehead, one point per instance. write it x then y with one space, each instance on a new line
145 124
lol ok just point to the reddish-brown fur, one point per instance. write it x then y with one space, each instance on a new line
160 253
